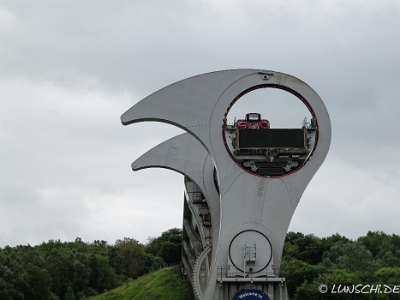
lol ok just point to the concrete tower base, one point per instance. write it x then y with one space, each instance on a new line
274 290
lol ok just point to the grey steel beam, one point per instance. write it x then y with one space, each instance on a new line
185 155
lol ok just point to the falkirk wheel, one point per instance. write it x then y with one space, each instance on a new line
242 181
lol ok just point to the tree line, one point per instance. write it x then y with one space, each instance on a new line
58 270
371 261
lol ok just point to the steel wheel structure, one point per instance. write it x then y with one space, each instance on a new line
235 217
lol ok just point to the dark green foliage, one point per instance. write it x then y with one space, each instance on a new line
132 254
69 294
297 272
76 270
167 246
309 261
388 275
152 263
291 236
376 242
334 280
383 247
310 249
307 248
357 258
7 282
39 281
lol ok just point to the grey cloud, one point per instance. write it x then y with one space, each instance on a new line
68 70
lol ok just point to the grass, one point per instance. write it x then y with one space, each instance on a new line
163 284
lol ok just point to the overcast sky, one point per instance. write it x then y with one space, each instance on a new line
69 69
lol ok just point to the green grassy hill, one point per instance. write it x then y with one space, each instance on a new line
163 284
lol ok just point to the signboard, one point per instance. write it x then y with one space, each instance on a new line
251 295
272 138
